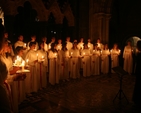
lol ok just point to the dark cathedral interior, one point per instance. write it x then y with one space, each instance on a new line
110 21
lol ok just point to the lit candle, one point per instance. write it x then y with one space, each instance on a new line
84 53
42 58
119 51
49 47
71 53
37 56
55 55
24 44
23 64
111 51
27 61
88 45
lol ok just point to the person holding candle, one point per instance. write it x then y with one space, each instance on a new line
95 61
63 58
20 42
31 81
105 60
53 65
42 66
44 39
115 52
52 41
85 53
12 77
19 52
99 44
69 45
128 60
33 39
80 45
74 62
90 45
59 45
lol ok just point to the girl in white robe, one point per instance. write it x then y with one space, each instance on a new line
90 46
128 60
53 65
11 84
75 62
95 61
105 60
59 45
115 52
21 84
32 83
42 66
64 58
86 61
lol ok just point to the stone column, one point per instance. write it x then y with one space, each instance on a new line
107 19
100 26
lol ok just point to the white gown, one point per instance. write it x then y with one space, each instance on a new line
80 46
59 47
86 62
32 83
63 57
13 85
74 63
69 46
53 68
128 60
105 61
114 58
42 68
95 62
90 46
45 47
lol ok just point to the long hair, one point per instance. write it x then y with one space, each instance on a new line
1 36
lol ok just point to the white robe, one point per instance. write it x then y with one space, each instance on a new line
32 83
100 46
21 86
21 44
42 68
105 61
114 58
13 85
128 60
90 46
80 46
95 62
86 62
59 47
74 63
64 58
69 46
53 68
45 47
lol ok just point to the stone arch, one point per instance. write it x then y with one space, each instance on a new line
55 9
69 15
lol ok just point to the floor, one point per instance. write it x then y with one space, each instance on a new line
94 94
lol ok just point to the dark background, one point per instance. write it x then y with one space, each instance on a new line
125 22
